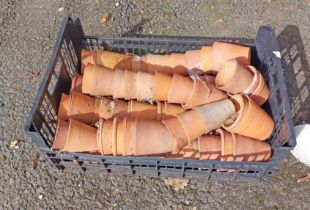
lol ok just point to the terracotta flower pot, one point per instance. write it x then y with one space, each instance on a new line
98 81
227 145
76 84
178 63
63 108
203 93
222 52
120 138
112 108
83 108
119 86
81 137
260 93
209 147
206 59
159 63
143 111
114 60
249 149
87 57
162 84
130 85
152 137
170 110
250 119
215 113
233 77
177 131
130 136
145 85
193 61
61 135
181 89
105 137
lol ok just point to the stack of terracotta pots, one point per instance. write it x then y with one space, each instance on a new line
128 105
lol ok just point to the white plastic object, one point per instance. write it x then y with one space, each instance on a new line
302 149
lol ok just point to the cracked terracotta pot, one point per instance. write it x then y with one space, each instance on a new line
81 138
178 63
162 84
87 57
233 77
209 147
203 93
152 137
193 61
250 119
260 93
76 83
223 51
249 149
63 108
83 108
98 80
181 89
61 135
110 108
105 137
145 85
119 86
114 60
227 145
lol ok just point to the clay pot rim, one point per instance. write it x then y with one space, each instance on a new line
124 136
255 82
114 137
239 99
87 85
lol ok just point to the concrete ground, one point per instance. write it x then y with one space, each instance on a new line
27 35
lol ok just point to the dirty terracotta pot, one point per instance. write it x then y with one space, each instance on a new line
98 80
162 84
105 137
181 89
233 77
193 61
249 149
83 108
76 84
209 147
260 93
114 60
143 111
227 145
223 51
250 119
112 108
61 135
145 85
87 57
81 137
63 108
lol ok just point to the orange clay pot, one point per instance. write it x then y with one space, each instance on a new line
120 138
105 137
130 85
222 52
152 137
130 136
260 93
176 131
160 63
136 63
249 149
63 107
170 110
87 57
233 77
209 147
143 111
203 93
112 108
193 62
215 113
250 119
83 108
98 80
81 137
162 84
76 84
206 59
227 145
178 63
145 85
61 135
119 87
181 89
114 60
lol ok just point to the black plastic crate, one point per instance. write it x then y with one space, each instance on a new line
65 61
